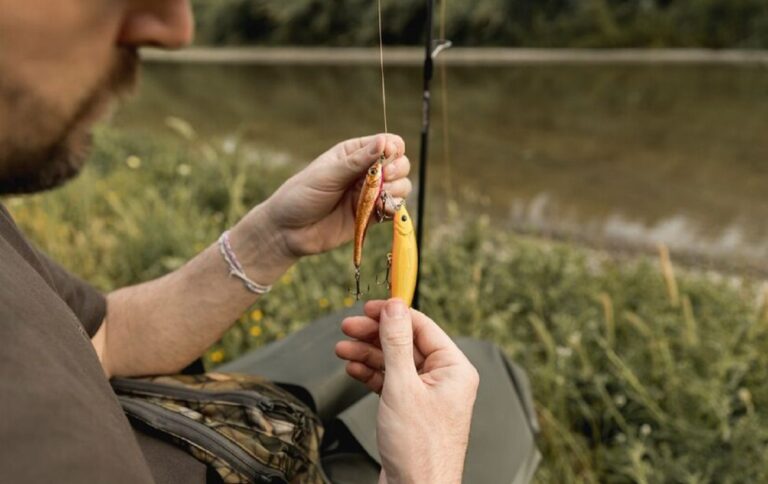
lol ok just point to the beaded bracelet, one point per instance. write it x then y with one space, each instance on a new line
236 269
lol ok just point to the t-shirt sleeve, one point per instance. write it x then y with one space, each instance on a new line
88 304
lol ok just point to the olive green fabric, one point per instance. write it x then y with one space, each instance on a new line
308 359
502 441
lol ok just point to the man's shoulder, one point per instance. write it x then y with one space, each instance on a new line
16 242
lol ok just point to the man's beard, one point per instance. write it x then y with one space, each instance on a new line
54 149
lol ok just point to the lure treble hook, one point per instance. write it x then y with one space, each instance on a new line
358 292
387 280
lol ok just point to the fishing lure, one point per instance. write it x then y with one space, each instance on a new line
404 258
369 197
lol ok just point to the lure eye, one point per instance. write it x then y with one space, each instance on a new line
372 170
404 218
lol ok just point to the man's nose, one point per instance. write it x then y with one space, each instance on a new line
158 23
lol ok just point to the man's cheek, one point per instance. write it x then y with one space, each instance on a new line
62 60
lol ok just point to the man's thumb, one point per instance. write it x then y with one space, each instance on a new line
396 336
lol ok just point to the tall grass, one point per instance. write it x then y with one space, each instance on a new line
641 373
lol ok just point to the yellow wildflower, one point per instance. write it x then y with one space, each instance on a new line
349 301
323 302
133 162
257 315
217 356
255 331
183 169
287 278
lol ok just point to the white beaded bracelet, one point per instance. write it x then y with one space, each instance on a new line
236 269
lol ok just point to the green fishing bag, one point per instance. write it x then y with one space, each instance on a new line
247 428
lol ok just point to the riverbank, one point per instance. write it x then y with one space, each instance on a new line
453 56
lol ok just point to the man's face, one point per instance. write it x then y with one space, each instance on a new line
61 64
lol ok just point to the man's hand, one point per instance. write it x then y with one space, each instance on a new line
161 326
427 386
314 210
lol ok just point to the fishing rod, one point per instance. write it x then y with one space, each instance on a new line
433 47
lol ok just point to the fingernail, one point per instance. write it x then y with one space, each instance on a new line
395 309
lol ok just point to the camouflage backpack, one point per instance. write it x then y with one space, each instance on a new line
248 429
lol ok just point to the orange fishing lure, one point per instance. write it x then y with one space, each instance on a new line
369 197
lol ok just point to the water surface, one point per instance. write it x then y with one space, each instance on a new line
622 156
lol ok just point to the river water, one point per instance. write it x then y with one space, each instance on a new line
620 156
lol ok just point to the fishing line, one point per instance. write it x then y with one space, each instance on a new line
366 204
381 62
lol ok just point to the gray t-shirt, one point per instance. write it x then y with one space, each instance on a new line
59 419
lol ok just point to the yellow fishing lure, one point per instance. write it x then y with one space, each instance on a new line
404 257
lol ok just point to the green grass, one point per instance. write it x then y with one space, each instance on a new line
638 376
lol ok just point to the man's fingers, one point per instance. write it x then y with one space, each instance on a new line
428 336
352 145
362 352
361 328
396 336
400 188
398 168
367 348
347 162
372 309
354 164
373 379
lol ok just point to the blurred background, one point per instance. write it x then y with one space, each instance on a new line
595 201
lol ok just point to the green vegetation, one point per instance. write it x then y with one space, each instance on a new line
639 376
550 23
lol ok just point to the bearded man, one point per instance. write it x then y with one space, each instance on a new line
62 63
